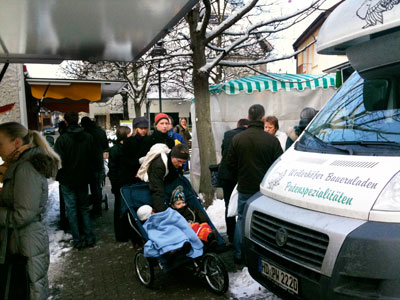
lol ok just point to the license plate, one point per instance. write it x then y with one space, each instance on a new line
283 279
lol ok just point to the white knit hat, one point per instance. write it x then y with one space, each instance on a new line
144 212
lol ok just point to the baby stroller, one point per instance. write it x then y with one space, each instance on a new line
208 266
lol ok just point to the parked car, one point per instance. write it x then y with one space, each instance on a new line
49 131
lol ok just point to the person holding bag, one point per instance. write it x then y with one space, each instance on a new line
29 161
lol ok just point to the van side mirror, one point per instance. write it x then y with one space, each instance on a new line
376 94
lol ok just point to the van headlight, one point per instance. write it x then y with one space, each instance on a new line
389 198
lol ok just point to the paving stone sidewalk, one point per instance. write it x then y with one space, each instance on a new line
107 271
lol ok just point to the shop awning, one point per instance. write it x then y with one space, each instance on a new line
274 82
66 94
48 31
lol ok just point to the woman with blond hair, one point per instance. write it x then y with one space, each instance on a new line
28 162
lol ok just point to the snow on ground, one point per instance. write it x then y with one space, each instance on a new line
59 240
242 286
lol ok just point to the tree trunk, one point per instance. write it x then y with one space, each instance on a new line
204 134
202 99
125 112
138 110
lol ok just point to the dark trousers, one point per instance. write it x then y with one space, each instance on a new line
120 229
96 190
77 207
227 187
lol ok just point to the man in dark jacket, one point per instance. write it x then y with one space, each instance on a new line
75 148
98 175
157 170
252 152
227 179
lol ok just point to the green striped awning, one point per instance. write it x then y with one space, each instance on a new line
274 82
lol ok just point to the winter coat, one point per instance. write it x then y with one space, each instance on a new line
100 145
157 137
75 148
184 133
24 197
131 149
115 170
156 150
157 177
251 154
178 139
223 171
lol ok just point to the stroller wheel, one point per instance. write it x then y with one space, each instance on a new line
215 273
144 269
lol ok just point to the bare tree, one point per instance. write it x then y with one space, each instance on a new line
224 34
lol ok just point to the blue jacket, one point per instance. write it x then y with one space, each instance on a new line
176 136
167 231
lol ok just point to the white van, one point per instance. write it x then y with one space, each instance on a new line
326 223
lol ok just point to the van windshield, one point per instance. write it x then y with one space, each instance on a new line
362 118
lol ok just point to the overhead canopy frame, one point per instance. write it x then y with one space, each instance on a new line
47 31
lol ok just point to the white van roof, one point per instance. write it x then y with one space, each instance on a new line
354 22
47 31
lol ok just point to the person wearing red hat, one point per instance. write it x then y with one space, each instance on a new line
159 135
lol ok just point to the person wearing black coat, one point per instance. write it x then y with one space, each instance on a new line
75 148
159 135
226 178
176 158
98 175
251 154
132 151
116 175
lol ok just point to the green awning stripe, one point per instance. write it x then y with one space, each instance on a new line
324 83
274 82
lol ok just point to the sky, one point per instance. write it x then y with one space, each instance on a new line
241 284
283 45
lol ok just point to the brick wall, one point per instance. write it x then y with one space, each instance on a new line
10 89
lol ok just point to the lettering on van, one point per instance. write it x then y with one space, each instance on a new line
325 194
371 11
356 181
311 174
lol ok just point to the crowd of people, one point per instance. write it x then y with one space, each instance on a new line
158 157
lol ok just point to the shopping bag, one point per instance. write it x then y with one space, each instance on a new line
233 203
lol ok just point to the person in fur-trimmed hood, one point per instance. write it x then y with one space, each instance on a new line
29 161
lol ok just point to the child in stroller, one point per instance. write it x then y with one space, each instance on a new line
196 219
205 264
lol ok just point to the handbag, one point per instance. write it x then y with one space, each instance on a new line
14 281
233 203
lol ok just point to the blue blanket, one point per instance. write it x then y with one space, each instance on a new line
167 231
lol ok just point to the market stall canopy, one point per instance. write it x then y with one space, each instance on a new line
274 82
69 94
48 31
282 95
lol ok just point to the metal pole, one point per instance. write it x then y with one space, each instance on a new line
159 85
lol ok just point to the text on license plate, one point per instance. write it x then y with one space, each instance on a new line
280 277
